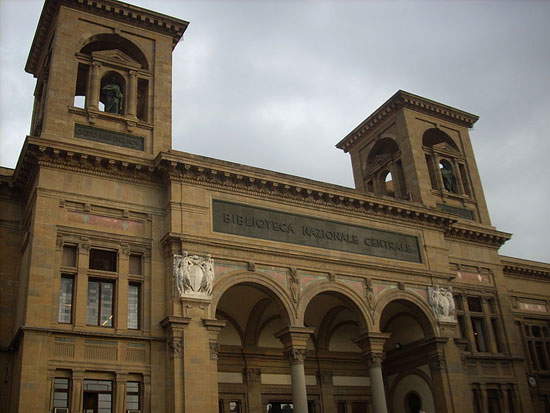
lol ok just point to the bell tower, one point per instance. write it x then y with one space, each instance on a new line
104 76
415 149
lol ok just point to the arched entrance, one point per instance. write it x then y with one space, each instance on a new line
407 354
253 372
335 358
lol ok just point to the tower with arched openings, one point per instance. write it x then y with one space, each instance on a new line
135 278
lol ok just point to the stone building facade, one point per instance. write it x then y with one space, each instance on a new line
135 277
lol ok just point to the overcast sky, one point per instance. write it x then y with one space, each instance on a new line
276 84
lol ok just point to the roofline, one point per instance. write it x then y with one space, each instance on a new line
406 99
111 8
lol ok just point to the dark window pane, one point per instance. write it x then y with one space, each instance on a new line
93 302
106 304
539 348
479 334
133 306
474 304
103 260
535 331
65 300
496 333
458 302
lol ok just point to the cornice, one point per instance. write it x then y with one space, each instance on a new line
112 9
226 175
41 152
526 272
293 189
476 234
200 170
403 99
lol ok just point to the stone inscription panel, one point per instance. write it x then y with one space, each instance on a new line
248 221
112 138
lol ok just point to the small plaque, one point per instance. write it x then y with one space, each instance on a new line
248 221
106 136
461 212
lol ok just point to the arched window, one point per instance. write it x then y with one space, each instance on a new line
113 77
108 41
413 402
448 176
112 93
445 162
384 171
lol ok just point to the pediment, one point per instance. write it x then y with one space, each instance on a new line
445 147
117 57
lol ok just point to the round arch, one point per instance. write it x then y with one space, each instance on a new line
222 285
428 393
434 136
383 146
389 296
331 287
110 41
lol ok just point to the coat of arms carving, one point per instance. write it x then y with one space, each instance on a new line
194 275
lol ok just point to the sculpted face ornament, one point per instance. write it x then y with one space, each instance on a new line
194 275
442 302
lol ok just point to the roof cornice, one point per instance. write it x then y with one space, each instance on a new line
200 170
403 99
516 267
112 9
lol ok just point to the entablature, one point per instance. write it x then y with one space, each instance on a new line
116 10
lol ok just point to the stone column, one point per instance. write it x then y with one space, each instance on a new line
459 183
80 301
503 391
77 390
327 391
295 341
132 94
120 392
146 406
253 389
174 326
372 345
121 310
492 347
92 98
484 398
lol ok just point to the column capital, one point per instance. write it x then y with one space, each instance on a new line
372 345
253 374
295 337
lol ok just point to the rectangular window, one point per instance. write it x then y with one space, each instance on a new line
479 334
103 260
474 304
341 407
81 85
135 264
98 396
65 314
61 392
69 256
100 303
133 305
133 394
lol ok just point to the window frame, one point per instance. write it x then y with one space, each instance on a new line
100 282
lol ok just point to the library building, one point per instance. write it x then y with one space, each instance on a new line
138 278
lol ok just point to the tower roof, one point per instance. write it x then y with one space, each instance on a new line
405 99
113 9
